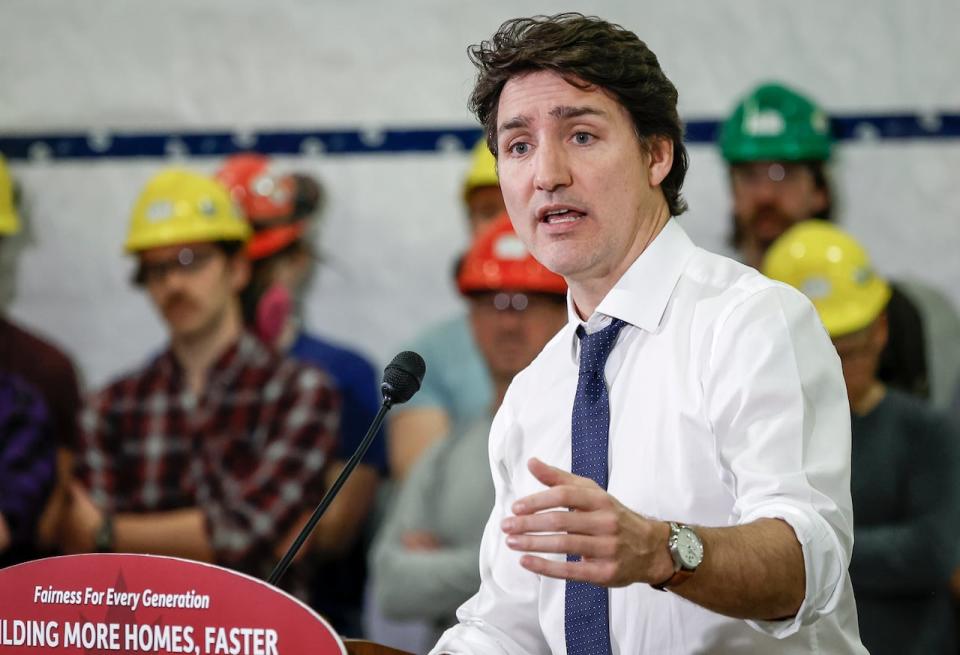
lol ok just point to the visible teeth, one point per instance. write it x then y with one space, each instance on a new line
557 211
566 219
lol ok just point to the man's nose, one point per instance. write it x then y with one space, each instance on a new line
174 278
552 167
766 190
510 323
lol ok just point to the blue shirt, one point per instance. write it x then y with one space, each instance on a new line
457 380
357 383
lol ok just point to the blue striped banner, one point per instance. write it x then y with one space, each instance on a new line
99 144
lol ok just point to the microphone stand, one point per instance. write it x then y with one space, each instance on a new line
284 563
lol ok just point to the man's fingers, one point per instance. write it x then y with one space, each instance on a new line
567 544
589 523
577 497
598 573
552 476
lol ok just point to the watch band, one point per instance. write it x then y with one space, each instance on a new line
678 577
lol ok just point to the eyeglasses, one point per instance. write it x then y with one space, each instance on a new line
188 261
755 174
502 301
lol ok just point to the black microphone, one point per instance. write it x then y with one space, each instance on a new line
401 379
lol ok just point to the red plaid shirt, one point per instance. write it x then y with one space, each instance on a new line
250 452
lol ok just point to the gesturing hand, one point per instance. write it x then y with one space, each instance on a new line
616 546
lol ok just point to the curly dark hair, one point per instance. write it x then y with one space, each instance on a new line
587 52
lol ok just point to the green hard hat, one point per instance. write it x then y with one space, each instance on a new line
775 123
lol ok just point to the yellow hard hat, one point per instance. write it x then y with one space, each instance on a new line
483 169
9 221
831 269
180 206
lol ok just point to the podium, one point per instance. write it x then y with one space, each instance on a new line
118 603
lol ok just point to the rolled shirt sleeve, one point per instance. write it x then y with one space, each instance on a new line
776 398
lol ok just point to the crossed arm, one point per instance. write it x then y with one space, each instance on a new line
180 533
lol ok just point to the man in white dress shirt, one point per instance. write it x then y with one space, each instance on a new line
691 492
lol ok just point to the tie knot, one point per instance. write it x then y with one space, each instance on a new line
596 347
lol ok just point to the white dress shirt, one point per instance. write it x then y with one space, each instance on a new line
727 405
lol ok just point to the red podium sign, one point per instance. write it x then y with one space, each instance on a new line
143 604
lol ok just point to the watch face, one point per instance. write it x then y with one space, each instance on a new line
689 548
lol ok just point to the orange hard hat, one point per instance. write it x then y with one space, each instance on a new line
260 194
499 260
274 204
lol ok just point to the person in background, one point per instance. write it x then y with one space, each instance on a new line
27 467
50 372
458 388
456 391
905 455
216 449
778 145
425 557
671 473
280 208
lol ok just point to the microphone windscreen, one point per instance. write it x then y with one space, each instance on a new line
402 376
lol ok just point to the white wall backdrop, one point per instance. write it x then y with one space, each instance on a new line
394 223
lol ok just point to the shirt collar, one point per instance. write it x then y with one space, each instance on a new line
641 295
237 355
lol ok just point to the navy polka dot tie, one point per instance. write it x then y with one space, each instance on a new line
587 615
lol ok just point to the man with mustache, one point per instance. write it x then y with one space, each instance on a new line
215 449
280 208
777 143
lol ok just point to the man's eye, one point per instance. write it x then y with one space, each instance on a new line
582 138
520 148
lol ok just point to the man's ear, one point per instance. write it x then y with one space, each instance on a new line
303 261
660 159
239 270
881 332
820 201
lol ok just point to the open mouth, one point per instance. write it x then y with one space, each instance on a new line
560 216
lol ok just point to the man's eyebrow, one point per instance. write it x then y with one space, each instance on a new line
563 112
566 112
513 123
